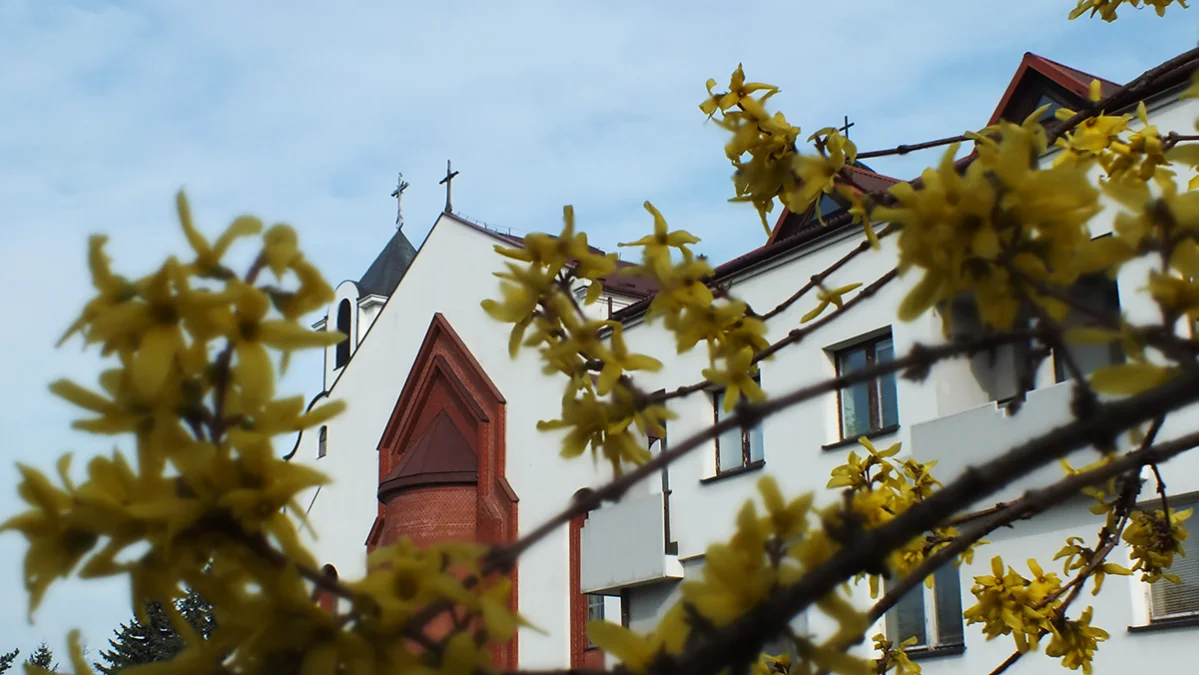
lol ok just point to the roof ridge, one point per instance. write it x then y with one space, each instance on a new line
1078 74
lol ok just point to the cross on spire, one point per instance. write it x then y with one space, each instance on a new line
449 176
398 193
845 129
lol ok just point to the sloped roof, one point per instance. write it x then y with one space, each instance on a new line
440 456
1075 83
384 274
1070 79
790 224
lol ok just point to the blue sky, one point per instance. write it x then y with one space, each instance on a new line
303 112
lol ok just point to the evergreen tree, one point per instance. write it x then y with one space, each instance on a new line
6 660
43 658
136 643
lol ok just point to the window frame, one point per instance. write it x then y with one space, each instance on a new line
594 600
876 422
1183 501
322 442
1115 354
929 599
747 434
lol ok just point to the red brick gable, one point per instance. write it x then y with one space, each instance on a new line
442 458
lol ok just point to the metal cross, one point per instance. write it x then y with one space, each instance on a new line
845 129
449 176
398 193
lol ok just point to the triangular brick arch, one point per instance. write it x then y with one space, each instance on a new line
442 457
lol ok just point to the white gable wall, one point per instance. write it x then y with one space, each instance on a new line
451 275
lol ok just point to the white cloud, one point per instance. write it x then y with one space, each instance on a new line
303 112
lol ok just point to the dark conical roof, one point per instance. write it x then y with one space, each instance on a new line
382 277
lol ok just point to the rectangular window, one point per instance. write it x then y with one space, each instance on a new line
1102 296
322 443
736 448
867 407
595 612
1168 600
932 616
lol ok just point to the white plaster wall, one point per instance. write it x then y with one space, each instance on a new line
793 439
345 510
701 513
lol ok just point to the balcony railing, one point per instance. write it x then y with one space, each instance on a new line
976 435
624 545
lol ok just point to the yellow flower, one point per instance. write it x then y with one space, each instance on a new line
739 91
827 297
737 378
208 257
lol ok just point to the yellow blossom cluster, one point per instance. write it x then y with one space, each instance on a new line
768 553
204 502
764 153
600 405
1029 609
877 489
894 657
1106 9
1154 540
694 314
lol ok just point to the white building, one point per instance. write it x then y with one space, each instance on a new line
440 439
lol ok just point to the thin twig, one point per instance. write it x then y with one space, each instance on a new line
794 336
819 277
903 148
1007 663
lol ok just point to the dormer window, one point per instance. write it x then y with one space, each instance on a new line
1054 106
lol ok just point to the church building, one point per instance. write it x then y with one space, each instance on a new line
439 440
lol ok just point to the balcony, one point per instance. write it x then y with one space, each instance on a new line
981 433
624 545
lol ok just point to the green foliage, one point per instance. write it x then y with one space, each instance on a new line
138 643
6 660
42 657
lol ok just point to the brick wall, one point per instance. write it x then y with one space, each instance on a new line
431 514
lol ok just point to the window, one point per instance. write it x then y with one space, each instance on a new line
931 615
1168 600
1102 295
343 326
322 447
867 406
736 448
1048 115
595 612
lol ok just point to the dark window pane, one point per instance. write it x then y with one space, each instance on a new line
855 400
343 326
756 444
947 585
906 619
887 397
